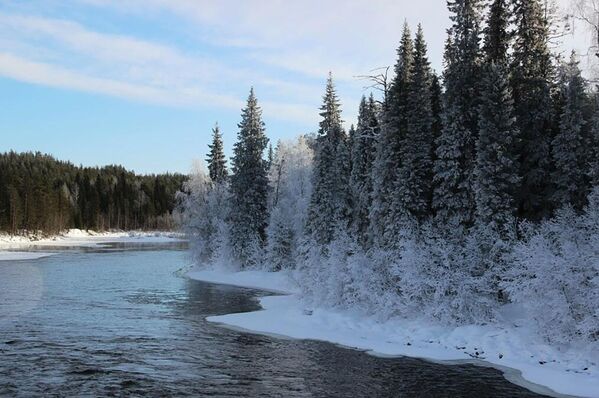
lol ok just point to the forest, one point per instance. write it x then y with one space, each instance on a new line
40 193
454 196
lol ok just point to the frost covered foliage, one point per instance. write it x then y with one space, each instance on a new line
291 188
555 274
204 210
428 275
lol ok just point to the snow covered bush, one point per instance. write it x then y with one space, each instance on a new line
204 209
291 187
554 274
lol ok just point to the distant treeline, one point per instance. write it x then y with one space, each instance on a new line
40 193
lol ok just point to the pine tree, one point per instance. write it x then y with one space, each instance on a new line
414 183
568 146
363 155
497 166
330 207
217 163
249 186
530 81
385 213
456 157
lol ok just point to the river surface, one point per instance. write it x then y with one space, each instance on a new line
123 321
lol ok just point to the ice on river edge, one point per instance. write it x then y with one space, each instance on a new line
76 238
512 349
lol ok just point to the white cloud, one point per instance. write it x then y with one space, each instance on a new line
65 54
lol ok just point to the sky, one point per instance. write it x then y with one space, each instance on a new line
141 83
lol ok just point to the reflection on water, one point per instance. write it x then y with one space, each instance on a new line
120 322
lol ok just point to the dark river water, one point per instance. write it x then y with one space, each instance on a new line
123 322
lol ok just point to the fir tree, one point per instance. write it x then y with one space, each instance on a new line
249 185
414 182
455 148
363 155
217 163
330 205
497 167
568 146
530 80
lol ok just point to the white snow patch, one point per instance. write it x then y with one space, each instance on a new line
512 349
77 237
15 256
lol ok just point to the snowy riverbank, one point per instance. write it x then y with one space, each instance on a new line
11 245
512 349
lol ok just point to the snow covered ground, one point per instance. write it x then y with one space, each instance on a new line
9 244
512 349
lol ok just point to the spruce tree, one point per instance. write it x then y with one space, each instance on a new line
363 155
569 146
530 80
217 163
455 148
414 183
249 186
330 203
385 212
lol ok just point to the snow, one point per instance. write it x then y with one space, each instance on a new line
15 256
9 244
80 238
514 350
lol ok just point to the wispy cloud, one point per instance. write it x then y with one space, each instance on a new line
65 54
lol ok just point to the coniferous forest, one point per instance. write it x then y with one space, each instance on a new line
452 196
40 193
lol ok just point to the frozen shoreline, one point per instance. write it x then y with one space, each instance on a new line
13 247
513 350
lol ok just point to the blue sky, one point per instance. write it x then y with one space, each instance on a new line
141 82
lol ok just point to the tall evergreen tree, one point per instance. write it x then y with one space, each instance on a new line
385 213
569 146
217 163
363 154
530 79
330 207
454 167
497 36
249 185
414 183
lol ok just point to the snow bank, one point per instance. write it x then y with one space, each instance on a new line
564 372
77 237
15 256
278 282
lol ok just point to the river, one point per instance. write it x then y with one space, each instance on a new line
124 321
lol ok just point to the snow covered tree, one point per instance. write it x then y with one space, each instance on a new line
569 147
249 186
363 154
217 163
453 198
497 163
384 213
205 209
290 177
414 182
531 73
497 158
330 207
